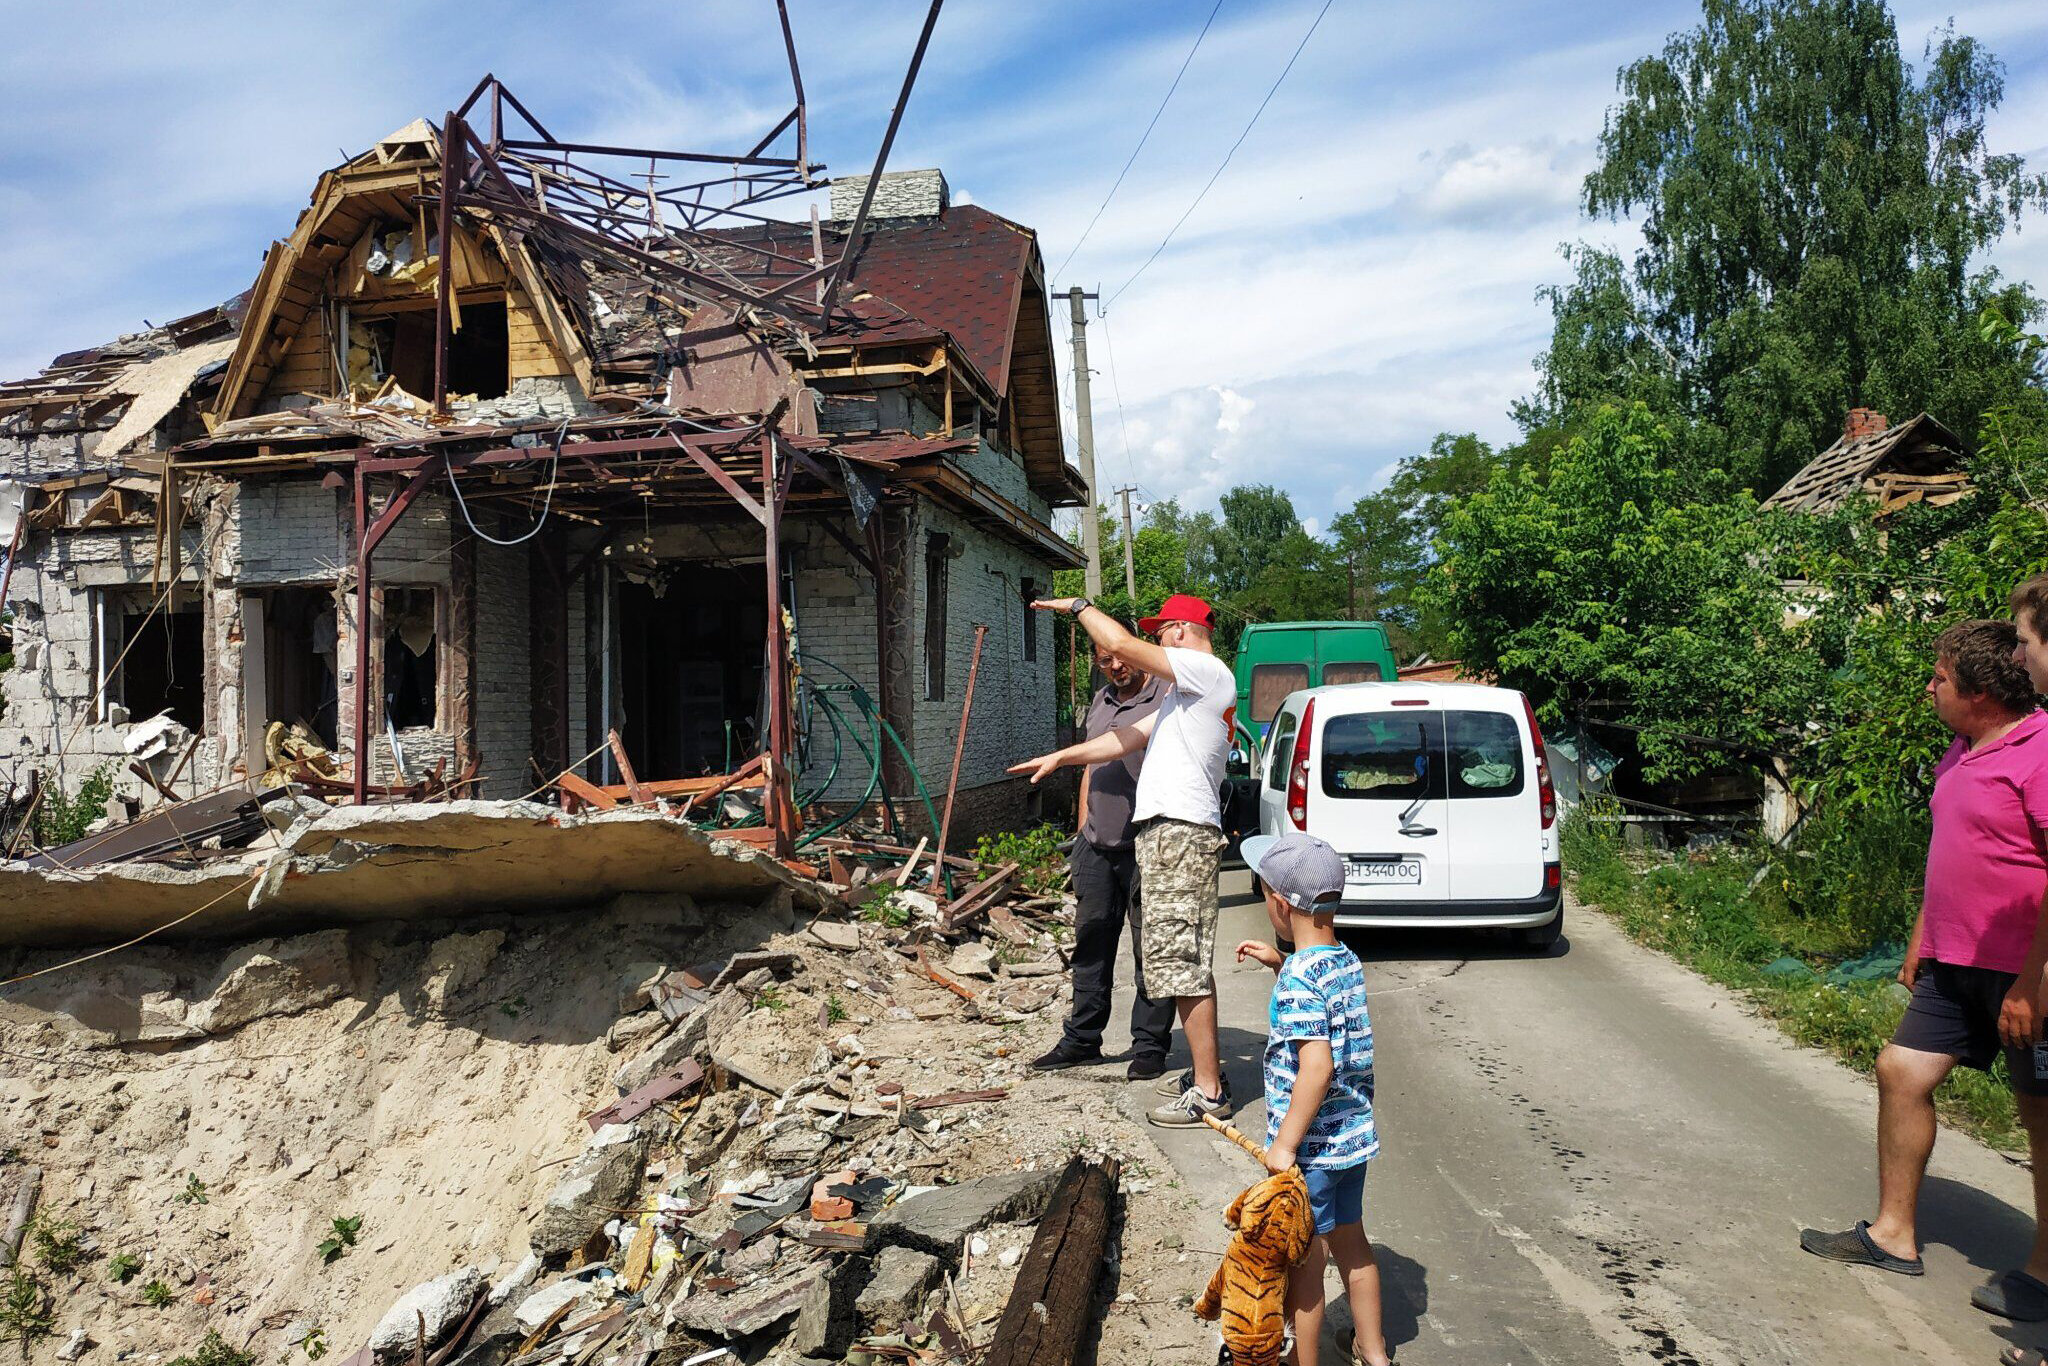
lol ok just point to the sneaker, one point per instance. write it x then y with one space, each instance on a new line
1065 1055
1180 1081
1146 1066
1188 1110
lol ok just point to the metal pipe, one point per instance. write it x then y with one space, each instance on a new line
361 795
960 745
780 800
451 149
867 198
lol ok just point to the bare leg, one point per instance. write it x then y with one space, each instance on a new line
1198 1022
1361 1273
1305 1304
2034 1114
1906 1078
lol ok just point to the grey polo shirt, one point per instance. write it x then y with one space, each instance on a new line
1113 786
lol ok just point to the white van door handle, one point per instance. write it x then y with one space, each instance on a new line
1416 832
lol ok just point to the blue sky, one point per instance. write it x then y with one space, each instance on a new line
1362 277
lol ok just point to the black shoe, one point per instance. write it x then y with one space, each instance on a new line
1146 1066
1065 1055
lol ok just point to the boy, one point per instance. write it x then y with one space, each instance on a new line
1319 1082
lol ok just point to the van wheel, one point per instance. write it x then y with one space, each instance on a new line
1539 938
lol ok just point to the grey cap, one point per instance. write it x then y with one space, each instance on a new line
1305 871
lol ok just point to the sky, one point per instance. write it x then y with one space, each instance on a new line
1363 275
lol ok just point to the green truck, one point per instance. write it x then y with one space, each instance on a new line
1275 658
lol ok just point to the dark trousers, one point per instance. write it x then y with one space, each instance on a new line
1106 892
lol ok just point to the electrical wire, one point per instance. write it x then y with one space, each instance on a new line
1062 271
1226 156
547 498
1116 389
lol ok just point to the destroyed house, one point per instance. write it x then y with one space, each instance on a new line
467 482
1893 464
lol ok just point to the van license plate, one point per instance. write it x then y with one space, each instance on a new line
1384 871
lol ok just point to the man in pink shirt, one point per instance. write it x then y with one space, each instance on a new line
1975 959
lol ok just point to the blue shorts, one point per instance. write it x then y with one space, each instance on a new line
1336 1195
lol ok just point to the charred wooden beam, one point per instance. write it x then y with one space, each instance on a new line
1054 1300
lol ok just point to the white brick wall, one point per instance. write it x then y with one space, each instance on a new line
504 676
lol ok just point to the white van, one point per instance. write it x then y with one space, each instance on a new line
1437 795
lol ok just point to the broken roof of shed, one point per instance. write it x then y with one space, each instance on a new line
1901 465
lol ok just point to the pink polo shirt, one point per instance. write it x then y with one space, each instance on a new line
1986 867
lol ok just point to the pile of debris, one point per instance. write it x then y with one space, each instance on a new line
743 1194
814 1146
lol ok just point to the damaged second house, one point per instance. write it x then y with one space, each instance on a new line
468 482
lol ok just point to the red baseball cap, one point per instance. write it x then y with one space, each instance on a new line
1180 607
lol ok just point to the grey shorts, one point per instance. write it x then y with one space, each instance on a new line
1177 866
1954 1010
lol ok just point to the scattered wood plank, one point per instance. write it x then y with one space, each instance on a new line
1053 1302
961 1098
28 1184
977 898
628 1108
634 789
925 969
903 876
587 792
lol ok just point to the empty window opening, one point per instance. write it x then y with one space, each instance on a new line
153 661
690 657
937 551
300 680
400 345
1030 623
411 658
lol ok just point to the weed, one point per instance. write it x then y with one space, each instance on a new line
122 1266
512 1006
341 1238
771 998
835 1009
886 909
314 1344
26 1311
58 1246
194 1192
214 1351
158 1294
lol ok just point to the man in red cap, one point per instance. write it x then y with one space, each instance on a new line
1179 817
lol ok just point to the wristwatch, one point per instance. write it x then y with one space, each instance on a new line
1080 605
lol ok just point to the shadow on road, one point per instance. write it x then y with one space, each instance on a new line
1424 946
1404 1299
1990 1234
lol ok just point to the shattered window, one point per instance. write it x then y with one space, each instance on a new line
152 660
410 658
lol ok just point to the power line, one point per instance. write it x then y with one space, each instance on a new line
1226 156
1061 273
1123 434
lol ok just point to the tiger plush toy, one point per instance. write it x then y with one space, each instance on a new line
1247 1297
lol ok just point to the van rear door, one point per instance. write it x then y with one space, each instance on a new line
1377 793
1491 776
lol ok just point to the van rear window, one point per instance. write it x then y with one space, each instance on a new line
1270 685
1401 756
1343 671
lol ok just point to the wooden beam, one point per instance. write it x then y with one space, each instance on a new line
1053 1301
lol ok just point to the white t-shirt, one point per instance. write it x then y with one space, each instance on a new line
1182 777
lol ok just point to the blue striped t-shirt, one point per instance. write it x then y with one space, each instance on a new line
1320 994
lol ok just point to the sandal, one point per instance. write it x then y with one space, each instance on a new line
2022 1356
2013 1295
1855 1247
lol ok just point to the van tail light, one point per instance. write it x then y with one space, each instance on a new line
1543 783
1297 772
1553 876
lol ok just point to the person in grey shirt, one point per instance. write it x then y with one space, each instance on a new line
1105 867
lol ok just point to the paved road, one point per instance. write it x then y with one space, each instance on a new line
1597 1157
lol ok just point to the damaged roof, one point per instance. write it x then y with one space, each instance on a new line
1901 465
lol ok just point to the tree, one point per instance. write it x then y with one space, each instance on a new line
1607 586
1257 521
1811 213
1380 551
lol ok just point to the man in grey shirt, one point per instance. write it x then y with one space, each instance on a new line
1105 865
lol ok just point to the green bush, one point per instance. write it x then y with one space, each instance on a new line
214 1351
60 820
25 1310
1041 867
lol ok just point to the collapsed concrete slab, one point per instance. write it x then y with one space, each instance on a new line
367 863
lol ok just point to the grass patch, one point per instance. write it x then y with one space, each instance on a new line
1729 912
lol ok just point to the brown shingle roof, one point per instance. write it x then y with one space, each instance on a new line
1891 465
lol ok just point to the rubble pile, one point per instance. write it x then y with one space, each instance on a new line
796 1135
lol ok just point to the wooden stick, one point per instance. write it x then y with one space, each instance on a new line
903 877
924 966
1230 1132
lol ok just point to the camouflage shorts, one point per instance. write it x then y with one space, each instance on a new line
1177 863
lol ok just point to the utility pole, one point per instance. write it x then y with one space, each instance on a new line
1084 421
1130 572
